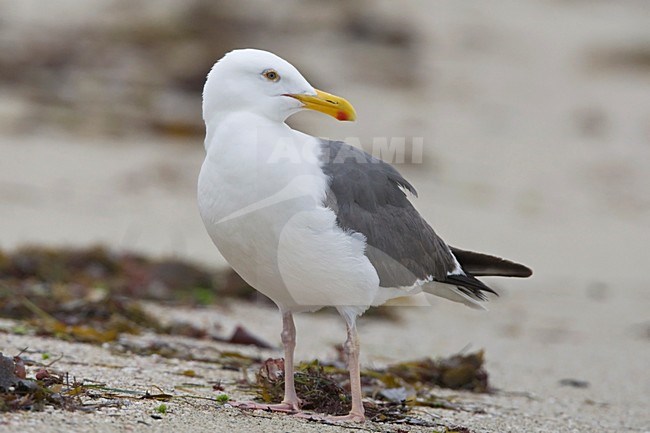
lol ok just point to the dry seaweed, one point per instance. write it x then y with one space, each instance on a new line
47 387
73 274
91 295
228 360
86 295
464 372
96 322
242 336
321 390
390 392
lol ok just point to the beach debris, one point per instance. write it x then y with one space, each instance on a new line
390 392
93 295
459 371
244 337
46 388
320 391
94 273
12 373
574 383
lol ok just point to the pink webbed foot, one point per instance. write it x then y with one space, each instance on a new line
283 407
332 419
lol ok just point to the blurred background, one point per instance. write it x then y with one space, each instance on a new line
535 122
535 118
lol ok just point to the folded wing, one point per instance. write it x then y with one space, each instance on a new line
368 197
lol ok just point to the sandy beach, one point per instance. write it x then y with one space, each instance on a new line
536 132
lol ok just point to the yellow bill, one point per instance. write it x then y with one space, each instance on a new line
332 105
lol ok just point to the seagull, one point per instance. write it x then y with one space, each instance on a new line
315 223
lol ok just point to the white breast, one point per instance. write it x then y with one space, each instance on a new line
260 196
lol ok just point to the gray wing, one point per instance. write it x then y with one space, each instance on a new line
368 197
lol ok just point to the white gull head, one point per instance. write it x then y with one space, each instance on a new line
259 82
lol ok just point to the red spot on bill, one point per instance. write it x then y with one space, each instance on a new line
341 115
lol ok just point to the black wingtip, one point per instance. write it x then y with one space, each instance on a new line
470 285
484 265
525 271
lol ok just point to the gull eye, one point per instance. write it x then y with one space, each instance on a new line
271 75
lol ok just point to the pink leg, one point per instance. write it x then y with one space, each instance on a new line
291 403
356 412
289 341
352 351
